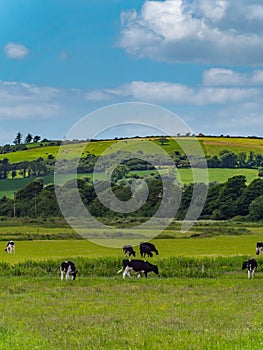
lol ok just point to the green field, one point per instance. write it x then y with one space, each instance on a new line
112 314
210 145
181 308
199 247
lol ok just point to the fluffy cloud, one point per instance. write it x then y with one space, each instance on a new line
203 31
22 100
163 92
15 51
228 77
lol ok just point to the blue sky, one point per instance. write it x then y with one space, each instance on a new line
62 59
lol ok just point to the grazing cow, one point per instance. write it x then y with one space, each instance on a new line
127 249
151 246
10 247
145 251
68 268
251 266
147 248
138 266
259 248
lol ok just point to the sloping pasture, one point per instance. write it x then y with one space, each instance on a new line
211 146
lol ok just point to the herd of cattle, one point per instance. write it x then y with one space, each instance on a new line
68 268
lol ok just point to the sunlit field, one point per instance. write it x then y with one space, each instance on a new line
200 300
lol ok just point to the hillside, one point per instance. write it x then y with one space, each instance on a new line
210 145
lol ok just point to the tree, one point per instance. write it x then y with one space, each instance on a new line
228 197
256 209
251 192
18 139
228 159
119 172
163 140
28 138
36 138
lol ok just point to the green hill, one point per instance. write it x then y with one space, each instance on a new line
210 145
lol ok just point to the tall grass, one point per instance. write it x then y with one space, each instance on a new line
107 267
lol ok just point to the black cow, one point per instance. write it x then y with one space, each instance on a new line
127 249
147 248
259 248
138 266
10 247
251 266
68 268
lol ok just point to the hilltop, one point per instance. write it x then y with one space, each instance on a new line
211 145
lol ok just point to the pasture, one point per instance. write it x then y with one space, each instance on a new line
181 308
210 145
109 313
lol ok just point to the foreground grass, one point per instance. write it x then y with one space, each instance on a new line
111 313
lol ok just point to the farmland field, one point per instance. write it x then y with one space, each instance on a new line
109 313
210 145
182 308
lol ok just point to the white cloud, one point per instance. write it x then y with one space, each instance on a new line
172 93
22 100
204 31
228 77
15 50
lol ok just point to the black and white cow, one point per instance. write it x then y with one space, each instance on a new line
68 268
147 248
259 247
10 247
251 266
128 250
138 266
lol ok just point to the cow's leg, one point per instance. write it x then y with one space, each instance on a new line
67 274
125 272
61 275
248 274
253 271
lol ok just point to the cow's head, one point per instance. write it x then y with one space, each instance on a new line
257 250
244 265
74 274
155 269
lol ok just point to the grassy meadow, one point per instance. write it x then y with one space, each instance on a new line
210 145
111 313
181 308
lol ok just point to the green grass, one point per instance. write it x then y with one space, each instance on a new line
196 247
179 309
109 313
210 145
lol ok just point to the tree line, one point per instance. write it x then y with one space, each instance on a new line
232 199
42 167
